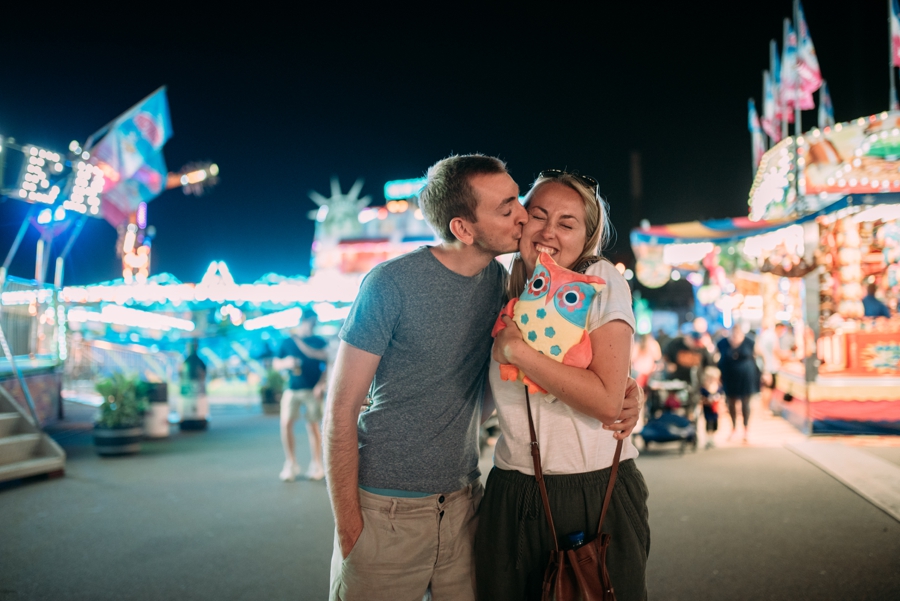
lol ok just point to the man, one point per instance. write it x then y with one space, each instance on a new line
403 476
872 307
194 403
685 353
304 355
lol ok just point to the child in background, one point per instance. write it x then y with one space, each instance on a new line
711 395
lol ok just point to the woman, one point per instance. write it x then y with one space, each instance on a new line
568 221
740 375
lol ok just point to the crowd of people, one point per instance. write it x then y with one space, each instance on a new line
730 364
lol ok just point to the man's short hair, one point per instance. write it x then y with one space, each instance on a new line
448 192
308 314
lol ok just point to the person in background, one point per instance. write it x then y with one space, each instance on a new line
872 307
775 345
304 355
193 386
662 338
684 354
711 396
701 326
644 357
740 375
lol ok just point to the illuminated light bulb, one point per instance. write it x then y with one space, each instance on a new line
676 275
884 135
23 193
45 217
801 140
852 181
214 170
418 214
839 127
830 181
864 181
884 115
620 267
60 214
629 275
73 146
85 155
33 151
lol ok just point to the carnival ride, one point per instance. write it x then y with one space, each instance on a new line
112 176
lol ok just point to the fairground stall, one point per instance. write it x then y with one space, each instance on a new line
822 233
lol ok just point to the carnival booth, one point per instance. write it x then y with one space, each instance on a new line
823 232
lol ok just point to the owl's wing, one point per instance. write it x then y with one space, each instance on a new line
508 311
581 354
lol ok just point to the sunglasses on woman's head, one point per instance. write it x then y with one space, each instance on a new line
587 180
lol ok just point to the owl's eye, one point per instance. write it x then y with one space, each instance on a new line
538 285
570 297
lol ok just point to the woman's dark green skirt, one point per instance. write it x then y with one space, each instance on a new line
513 543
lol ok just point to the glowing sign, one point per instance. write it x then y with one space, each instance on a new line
114 314
87 185
39 166
402 189
282 319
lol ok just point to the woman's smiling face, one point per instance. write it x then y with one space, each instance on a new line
556 226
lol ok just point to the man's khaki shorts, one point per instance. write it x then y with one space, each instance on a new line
409 545
292 400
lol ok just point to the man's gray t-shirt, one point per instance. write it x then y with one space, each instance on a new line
432 329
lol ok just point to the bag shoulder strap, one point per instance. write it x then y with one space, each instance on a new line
609 487
539 476
538 473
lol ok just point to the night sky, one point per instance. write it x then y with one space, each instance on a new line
282 101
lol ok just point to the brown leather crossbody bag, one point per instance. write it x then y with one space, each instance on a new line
575 574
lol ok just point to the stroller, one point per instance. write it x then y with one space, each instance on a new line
671 412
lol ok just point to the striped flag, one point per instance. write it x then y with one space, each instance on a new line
756 135
826 110
895 32
790 83
807 63
770 122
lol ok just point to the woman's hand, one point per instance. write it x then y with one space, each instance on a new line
631 411
508 342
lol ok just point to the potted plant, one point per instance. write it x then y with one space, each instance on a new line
119 427
270 391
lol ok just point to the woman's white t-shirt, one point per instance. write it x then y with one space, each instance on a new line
570 441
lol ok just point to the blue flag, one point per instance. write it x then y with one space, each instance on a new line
130 156
826 110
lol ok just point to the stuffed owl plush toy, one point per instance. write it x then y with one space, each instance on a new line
553 314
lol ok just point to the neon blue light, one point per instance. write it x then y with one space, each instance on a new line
401 189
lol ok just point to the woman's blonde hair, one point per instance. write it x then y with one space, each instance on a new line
596 222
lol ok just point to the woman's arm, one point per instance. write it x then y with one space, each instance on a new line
598 391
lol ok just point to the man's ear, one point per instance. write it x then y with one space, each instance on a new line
462 229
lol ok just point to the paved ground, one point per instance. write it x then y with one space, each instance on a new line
203 516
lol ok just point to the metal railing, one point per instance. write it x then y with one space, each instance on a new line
28 318
90 360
